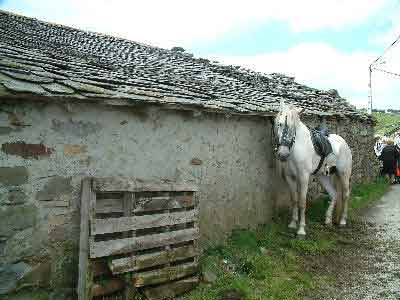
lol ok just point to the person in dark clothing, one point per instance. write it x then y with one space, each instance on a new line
389 157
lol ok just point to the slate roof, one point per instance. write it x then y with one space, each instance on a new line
48 60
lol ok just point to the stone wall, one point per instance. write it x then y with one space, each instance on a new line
47 149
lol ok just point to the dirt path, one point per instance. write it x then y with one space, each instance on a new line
368 264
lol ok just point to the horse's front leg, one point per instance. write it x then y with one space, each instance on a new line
294 199
302 190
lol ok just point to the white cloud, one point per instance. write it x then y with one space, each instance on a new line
322 66
177 22
183 23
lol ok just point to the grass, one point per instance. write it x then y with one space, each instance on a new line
269 263
364 194
386 122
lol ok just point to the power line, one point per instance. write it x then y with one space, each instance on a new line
370 72
386 50
387 72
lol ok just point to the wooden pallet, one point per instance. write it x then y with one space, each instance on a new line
137 235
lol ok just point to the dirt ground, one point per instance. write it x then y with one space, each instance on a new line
367 265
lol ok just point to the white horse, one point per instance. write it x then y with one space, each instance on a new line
298 160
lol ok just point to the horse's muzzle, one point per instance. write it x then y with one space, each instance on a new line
283 153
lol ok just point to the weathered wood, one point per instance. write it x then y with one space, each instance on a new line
99 268
171 290
112 184
138 262
107 287
92 208
120 246
145 204
122 224
83 240
105 206
164 275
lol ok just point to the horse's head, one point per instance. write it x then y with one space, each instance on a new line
285 127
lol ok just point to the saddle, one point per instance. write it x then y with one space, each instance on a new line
322 146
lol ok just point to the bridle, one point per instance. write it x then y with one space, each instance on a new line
288 137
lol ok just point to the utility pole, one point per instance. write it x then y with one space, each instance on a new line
370 90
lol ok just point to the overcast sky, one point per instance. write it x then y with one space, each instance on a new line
324 44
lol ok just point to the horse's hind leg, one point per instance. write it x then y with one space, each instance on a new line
345 183
327 183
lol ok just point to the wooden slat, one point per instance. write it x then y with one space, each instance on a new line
120 246
113 184
164 275
83 240
171 290
163 203
107 287
92 207
122 224
138 262
105 206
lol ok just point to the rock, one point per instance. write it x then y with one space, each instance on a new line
58 88
33 294
10 176
10 275
64 264
55 188
333 92
84 87
196 161
27 151
16 218
76 128
209 276
29 243
177 49
22 86
231 295
5 130
38 276
14 197
28 77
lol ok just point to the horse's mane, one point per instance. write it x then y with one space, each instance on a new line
292 115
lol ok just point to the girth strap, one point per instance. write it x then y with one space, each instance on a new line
322 146
321 161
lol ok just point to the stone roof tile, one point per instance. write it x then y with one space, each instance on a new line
58 61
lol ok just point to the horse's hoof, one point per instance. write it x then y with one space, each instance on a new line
301 236
342 225
328 224
292 225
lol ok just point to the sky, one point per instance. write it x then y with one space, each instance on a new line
324 44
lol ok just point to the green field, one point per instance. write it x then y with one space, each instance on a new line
387 123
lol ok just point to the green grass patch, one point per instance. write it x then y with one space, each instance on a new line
269 263
386 122
364 194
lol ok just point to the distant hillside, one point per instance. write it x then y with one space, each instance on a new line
388 123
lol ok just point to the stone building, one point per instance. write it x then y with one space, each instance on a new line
76 104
